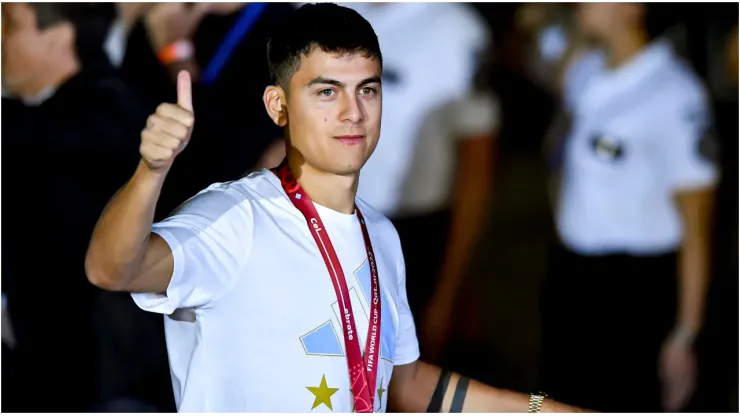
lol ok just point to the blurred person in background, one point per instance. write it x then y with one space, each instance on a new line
718 378
432 171
222 45
125 17
67 124
626 295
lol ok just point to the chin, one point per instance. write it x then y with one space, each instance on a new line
348 161
346 167
346 170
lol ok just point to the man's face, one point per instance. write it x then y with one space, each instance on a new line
334 106
24 47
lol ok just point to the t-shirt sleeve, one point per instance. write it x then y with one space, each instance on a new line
578 74
407 345
688 143
210 239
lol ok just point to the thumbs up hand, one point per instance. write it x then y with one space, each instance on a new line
168 130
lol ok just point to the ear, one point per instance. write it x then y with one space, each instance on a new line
275 104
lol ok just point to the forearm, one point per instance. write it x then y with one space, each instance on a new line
694 258
693 278
433 390
121 236
466 218
473 187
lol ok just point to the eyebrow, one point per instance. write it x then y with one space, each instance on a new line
327 81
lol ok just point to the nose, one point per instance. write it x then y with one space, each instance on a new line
352 110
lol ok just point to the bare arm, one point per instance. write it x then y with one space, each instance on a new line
124 254
693 267
677 363
423 388
472 189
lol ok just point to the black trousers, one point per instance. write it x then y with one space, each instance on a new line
604 320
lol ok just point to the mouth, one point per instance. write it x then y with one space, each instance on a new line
350 139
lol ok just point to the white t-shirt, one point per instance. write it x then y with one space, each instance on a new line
639 134
430 56
253 322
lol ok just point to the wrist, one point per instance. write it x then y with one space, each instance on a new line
536 402
684 336
146 174
175 51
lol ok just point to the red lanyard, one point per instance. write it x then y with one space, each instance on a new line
362 373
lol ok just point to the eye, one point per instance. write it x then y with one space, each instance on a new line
326 92
367 91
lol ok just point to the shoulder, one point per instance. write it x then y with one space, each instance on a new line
462 16
679 85
680 97
462 23
579 72
224 199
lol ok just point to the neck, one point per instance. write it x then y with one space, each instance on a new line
62 71
623 47
336 192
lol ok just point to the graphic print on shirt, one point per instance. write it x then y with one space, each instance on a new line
325 340
322 393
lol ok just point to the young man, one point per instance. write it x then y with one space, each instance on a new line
627 292
270 297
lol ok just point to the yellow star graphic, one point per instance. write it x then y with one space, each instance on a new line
323 394
381 390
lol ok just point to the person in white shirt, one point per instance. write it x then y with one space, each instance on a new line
269 297
625 300
433 168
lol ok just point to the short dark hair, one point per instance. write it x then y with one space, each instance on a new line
333 28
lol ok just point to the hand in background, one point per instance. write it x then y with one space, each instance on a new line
169 22
677 374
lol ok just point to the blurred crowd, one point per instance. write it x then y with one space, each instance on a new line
563 179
